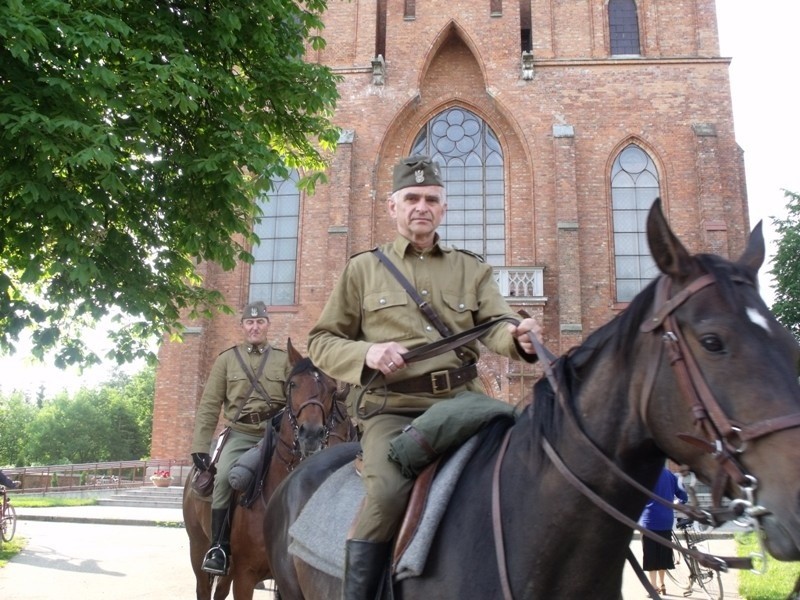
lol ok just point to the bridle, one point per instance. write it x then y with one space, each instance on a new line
718 435
724 439
329 417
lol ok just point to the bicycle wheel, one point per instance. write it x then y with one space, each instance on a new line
681 575
710 581
9 524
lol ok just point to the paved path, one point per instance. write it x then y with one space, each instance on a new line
90 553
101 552
632 588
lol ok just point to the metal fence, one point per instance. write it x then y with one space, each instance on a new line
94 476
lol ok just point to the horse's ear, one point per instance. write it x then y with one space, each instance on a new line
341 393
670 255
294 355
753 256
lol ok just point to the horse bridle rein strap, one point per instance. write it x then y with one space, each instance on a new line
723 438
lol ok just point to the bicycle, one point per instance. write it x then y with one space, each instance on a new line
8 523
692 573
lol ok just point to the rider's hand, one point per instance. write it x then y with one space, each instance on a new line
386 357
522 332
201 460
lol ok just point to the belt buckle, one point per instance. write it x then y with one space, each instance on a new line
440 382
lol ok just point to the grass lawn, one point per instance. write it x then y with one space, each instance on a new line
45 501
10 549
775 584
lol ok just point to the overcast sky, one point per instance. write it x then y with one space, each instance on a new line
762 40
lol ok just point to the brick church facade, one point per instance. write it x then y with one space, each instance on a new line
557 123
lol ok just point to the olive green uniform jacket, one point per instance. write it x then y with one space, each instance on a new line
225 389
368 305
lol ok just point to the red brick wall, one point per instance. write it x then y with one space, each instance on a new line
674 101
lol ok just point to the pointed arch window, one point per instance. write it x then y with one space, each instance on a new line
623 27
273 274
473 170
634 187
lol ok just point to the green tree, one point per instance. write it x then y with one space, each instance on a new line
134 136
15 415
786 266
94 425
137 392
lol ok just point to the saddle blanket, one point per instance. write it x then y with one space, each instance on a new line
318 535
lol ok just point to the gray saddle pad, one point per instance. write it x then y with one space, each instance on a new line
318 535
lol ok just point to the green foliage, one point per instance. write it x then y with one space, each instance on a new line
15 415
786 266
775 584
133 138
111 422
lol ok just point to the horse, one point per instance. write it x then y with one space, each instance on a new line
313 419
695 368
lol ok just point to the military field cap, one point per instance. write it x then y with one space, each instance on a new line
255 310
416 170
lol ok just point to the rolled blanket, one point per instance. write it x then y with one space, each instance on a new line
443 426
245 469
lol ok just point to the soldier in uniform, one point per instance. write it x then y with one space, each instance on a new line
370 322
246 384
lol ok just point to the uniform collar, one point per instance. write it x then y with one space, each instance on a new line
402 246
256 348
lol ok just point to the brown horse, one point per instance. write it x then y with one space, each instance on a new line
696 369
313 419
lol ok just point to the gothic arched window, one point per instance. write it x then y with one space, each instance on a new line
634 187
472 164
272 275
623 27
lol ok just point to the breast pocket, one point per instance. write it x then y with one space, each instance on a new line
387 316
461 308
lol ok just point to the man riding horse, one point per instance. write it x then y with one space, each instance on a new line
354 341
247 384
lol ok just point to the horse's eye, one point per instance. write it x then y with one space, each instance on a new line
291 384
712 343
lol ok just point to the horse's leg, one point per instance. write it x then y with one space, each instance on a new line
316 585
248 550
222 585
195 519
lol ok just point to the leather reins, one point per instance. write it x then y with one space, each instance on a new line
719 436
723 439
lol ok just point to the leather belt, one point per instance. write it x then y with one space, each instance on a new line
256 418
436 382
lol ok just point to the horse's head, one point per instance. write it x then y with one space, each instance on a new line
722 395
311 404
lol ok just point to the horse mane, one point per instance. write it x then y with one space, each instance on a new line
303 365
622 331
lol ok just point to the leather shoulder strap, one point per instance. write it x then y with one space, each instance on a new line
254 379
426 308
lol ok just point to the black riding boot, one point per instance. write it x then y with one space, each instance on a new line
364 566
217 559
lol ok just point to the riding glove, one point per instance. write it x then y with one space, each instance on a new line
201 460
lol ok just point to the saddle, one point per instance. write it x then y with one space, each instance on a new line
318 534
248 475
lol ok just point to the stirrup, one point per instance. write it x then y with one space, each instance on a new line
214 569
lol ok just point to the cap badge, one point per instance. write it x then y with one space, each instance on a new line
419 176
